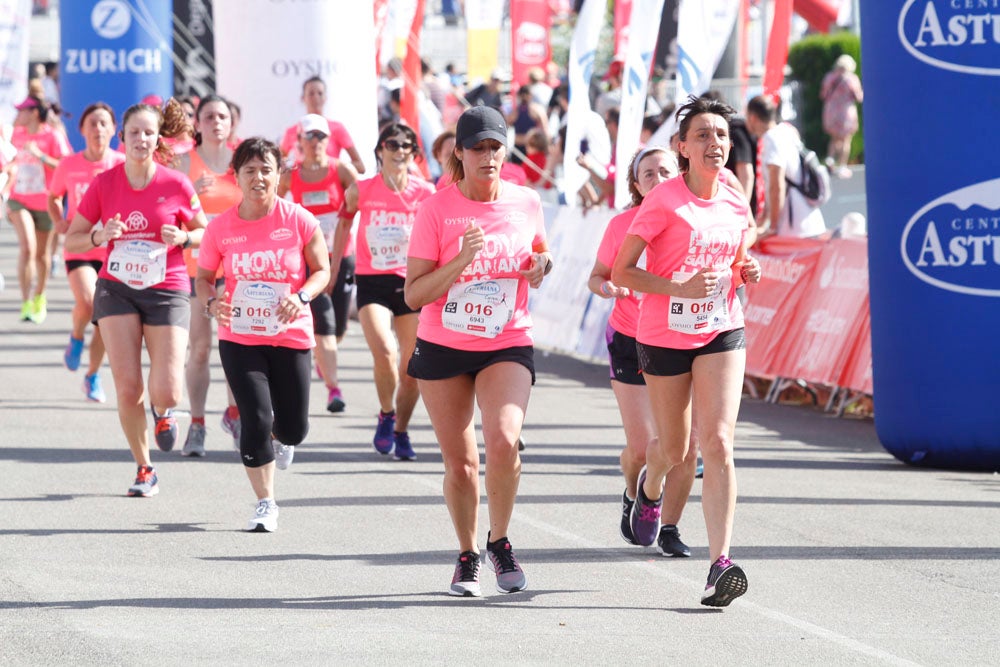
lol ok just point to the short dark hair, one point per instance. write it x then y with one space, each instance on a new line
391 129
255 147
764 108
694 107
97 106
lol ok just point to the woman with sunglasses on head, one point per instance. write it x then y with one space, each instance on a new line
150 213
70 181
318 183
690 340
207 165
649 168
39 149
275 262
388 203
476 248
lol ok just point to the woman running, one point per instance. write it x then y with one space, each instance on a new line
207 165
150 213
70 180
314 99
39 149
387 203
475 249
649 168
275 261
691 346
318 184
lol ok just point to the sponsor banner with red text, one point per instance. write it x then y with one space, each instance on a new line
857 374
531 21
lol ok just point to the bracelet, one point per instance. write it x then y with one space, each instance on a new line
92 241
604 289
208 307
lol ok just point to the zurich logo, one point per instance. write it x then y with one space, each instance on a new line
260 292
111 18
954 241
959 36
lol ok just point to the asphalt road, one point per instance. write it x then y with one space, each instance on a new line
852 557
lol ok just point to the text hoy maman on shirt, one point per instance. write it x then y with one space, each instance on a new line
263 261
684 235
513 228
386 223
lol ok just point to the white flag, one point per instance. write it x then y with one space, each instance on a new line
15 35
703 31
581 68
643 31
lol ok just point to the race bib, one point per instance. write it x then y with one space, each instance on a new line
30 179
138 264
316 198
255 308
480 308
328 225
388 245
698 316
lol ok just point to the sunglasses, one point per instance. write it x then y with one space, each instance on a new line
315 135
393 145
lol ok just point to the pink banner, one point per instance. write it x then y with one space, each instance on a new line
531 21
623 15
858 373
412 78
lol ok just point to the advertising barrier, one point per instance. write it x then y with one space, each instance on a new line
932 75
115 51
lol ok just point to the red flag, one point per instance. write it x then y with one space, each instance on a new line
777 48
381 9
819 13
530 23
623 14
412 77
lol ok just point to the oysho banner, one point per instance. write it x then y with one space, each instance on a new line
265 51
114 51
934 245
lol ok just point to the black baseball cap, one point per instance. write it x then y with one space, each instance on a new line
478 124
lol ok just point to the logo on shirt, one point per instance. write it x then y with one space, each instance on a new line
949 34
233 239
136 222
515 217
465 220
954 241
282 234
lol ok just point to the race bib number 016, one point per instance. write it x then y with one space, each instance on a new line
388 245
255 308
698 316
480 308
138 264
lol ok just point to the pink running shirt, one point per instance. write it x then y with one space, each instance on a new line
386 224
685 234
513 225
340 140
625 312
72 178
169 199
31 181
268 250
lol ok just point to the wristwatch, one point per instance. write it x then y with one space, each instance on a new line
208 307
304 297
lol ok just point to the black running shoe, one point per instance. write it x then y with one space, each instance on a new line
668 542
626 527
726 582
465 581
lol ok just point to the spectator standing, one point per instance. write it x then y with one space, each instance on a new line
841 92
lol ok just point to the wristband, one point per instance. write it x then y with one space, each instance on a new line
208 307
92 241
187 240
604 289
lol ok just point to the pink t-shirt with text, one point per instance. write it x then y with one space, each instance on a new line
684 235
271 250
32 179
340 140
386 223
512 225
72 178
625 312
169 199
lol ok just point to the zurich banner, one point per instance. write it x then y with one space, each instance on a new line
932 90
115 51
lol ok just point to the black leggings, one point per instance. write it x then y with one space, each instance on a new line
271 387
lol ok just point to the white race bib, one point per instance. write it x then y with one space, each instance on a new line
388 245
328 225
698 316
138 264
30 178
255 308
316 198
480 308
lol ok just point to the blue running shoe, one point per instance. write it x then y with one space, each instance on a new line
645 518
71 357
165 430
404 450
726 582
93 389
383 440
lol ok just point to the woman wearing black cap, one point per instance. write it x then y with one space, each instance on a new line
475 248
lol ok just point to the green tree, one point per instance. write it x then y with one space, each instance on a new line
809 60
